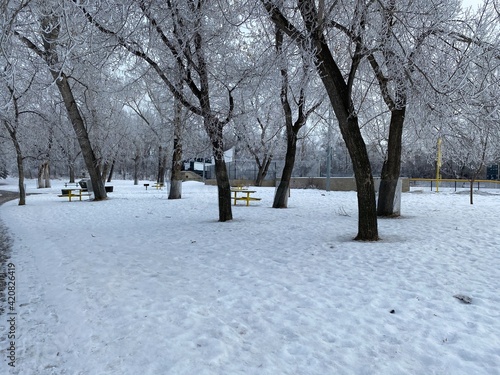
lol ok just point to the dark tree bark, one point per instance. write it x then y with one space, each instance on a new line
223 188
20 170
263 168
162 165
137 161
281 196
43 176
12 130
392 165
71 173
106 167
111 171
176 175
214 129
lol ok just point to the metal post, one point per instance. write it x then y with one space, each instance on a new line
328 167
438 164
329 151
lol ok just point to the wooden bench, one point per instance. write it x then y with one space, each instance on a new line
240 194
158 186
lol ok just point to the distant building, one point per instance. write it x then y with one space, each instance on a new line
492 172
197 165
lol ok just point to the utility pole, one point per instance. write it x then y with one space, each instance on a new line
438 163
329 151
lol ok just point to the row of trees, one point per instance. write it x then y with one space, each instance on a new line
113 83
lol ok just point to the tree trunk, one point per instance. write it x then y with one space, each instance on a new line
47 174
281 196
392 165
292 129
214 128
71 172
20 169
338 93
263 169
137 160
162 165
40 177
110 176
22 189
367 209
105 169
223 185
43 176
176 176
223 188
19 159
89 157
471 194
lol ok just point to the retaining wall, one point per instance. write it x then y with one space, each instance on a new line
336 183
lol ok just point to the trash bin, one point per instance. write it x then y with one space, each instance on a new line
83 184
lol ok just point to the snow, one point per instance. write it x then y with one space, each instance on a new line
140 284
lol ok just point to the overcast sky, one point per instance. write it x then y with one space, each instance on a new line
474 3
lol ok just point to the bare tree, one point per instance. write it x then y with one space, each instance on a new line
12 124
292 127
184 36
394 36
312 38
50 29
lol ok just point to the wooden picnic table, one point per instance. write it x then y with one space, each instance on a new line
240 194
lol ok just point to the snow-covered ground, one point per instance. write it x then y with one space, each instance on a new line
139 284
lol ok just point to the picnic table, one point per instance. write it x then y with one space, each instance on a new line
242 194
73 192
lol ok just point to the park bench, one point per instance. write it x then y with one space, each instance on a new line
84 184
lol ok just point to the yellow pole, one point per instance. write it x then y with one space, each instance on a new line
438 164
